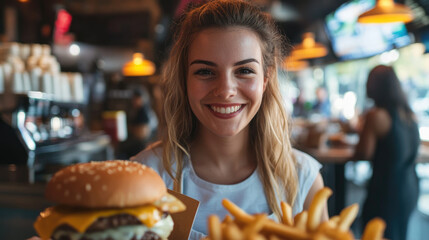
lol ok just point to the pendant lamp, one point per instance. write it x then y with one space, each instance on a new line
387 11
309 48
293 65
138 67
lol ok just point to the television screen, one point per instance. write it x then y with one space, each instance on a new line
424 38
352 40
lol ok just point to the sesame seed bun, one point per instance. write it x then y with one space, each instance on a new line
105 184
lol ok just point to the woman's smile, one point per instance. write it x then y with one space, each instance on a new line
226 110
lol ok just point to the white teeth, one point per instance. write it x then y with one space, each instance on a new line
226 110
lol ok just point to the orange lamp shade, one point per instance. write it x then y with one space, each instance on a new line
309 48
138 67
387 11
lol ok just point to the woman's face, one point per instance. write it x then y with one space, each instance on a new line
225 79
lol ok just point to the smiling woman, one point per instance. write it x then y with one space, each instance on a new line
226 127
225 80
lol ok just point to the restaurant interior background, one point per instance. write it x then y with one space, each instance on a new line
68 73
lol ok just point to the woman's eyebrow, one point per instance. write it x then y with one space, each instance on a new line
198 61
246 61
203 62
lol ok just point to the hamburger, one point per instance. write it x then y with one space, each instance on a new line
107 200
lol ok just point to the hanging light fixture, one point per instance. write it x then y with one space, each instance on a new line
138 67
387 11
293 65
309 48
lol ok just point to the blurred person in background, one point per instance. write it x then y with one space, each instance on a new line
390 139
142 125
301 107
139 116
322 105
142 109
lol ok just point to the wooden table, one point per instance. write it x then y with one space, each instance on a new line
331 155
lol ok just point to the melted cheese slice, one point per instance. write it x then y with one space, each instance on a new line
80 219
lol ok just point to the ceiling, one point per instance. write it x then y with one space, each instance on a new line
132 23
125 23
136 24
309 16
294 16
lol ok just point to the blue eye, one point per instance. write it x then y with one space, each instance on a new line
245 71
204 72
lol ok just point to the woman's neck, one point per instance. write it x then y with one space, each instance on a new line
223 160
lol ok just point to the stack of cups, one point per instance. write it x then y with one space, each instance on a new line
65 87
70 87
77 87
31 67
47 83
56 86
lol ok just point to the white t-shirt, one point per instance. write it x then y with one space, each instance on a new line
248 195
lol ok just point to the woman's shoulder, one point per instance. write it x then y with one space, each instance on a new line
377 114
379 120
150 156
307 169
304 160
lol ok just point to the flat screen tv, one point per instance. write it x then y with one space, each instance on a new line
424 37
353 40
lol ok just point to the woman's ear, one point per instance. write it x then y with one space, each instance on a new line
265 82
267 76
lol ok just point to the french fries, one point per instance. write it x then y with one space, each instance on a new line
347 216
271 226
255 226
300 220
214 225
374 229
316 208
232 231
287 214
306 225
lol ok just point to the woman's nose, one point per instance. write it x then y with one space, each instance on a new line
225 86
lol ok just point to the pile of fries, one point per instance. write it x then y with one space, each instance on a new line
306 225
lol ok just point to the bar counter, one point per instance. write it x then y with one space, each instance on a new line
22 186
20 204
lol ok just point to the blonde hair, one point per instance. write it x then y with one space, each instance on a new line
269 133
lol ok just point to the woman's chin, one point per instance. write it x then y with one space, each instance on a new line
227 133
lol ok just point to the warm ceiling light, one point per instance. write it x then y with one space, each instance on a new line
138 67
309 48
387 11
293 65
